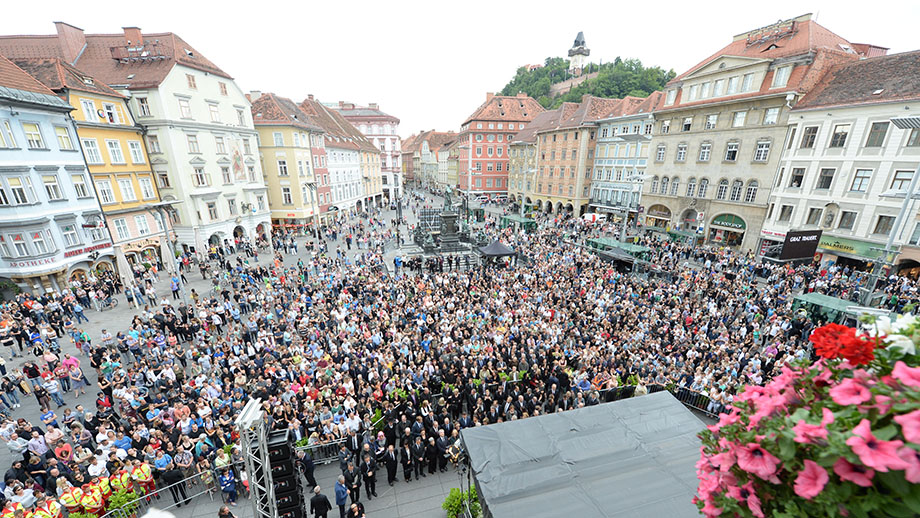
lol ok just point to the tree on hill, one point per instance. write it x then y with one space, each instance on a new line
615 80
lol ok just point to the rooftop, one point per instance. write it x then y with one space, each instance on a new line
520 107
869 81
17 85
271 109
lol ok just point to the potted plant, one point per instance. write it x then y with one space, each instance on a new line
836 437
126 500
453 504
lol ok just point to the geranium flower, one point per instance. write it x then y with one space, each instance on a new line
910 425
754 459
808 433
850 392
875 453
811 480
829 339
859 475
857 349
909 376
912 458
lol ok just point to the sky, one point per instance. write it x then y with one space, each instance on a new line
431 63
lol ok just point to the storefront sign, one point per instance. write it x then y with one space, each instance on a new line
71 253
659 211
800 244
729 221
137 246
850 246
35 262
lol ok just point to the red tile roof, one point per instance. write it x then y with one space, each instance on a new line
339 132
11 76
436 140
506 108
271 109
869 81
58 76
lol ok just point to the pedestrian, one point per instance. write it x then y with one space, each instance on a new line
225 512
319 504
341 495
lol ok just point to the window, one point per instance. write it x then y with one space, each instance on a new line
665 127
143 106
163 180
126 187
901 180
115 153
63 138
7 140
52 187
260 202
654 188
718 88
691 187
240 117
876 134
791 139
809 134
781 76
738 119
106 194
70 235
672 95
147 191
111 113
913 140
681 153
219 144
231 206
731 152
286 198
89 110
704 186
212 210
247 147
694 91
883 225
732 85
193 144
278 138
79 185
137 152
19 242
21 189
861 180
190 79
140 222
214 111
762 151
33 135
711 121
722 190
736 191
705 152
664 185
154 143
222 87
750 195
770 116
825 178
200 178
659 153
185 110
675 186
225 175
847 220
797 177
648 129
785 213
747 83
688 121
839 137
814 216
490 150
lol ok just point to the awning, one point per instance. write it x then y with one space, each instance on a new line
496 249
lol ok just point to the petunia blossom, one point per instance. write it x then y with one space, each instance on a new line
912 458
809 433
811 480
910 425
859 475
873 452
850 392
754 459
909 376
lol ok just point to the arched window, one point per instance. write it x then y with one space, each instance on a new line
654 187
675 185
664 185
737 185
751 194
704 186
691 187
723 190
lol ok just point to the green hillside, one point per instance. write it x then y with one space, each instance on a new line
617 79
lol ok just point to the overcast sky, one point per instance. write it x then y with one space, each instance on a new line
431 63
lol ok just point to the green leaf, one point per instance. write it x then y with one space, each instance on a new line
895 481
786 449
886 433
799 414
899 510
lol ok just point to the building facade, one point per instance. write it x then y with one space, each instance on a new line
200 137
842 159
382 130
51 225
719 132
484 139
427 155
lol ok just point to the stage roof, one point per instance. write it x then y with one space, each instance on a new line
627 459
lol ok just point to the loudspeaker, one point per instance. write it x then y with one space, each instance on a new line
293 512
287 500
286 484
279 446
282 469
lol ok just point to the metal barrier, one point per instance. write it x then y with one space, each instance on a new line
323 453
689 398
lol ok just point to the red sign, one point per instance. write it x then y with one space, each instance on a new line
71 253
36 262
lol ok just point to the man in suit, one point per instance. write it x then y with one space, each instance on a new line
319 504
431 451
442 443
304 463
353 481
390 460
407 461
418 426
419 460
369 474
465 421
341 495
355 442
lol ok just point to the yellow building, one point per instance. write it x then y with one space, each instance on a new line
116 155
285 135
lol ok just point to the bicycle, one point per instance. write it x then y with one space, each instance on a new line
112 303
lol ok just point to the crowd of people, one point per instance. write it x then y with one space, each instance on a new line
382 369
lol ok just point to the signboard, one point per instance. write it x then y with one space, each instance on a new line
800 244
78 251
855 247
729 221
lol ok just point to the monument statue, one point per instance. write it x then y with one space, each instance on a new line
448 202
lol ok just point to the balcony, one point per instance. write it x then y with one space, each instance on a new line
615 205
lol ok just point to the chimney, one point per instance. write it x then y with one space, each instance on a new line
254 94
133 37
310 96
341 104
71 39
489 96
372 106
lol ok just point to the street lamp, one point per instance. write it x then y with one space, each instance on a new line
909 196
163 209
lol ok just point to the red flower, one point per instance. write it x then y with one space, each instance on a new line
857 349
828 339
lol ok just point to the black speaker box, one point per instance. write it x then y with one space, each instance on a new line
287 500
282 469
293 512
288 483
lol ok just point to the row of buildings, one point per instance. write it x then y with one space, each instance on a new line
788 127
119 150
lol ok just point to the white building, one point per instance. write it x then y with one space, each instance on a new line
841 153
382 130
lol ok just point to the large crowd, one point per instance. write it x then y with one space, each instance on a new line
383 368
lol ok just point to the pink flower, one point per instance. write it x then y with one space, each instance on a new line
877 454
724 460
754 459
724 420
746 494
859 475
811 480
912 458
809 433
909 376
910 425
850 392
